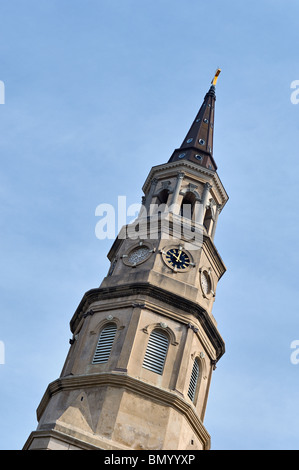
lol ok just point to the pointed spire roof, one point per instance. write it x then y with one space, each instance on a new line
198 143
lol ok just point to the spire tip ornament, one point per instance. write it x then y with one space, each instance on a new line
217 73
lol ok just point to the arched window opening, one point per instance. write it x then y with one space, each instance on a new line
156 352
163 196
188 206
194 381
104 345
161 201
208 220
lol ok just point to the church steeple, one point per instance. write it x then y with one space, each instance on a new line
197 146
145 343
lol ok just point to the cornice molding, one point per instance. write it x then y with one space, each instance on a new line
154 292
119 380
59 435
214 255
182 165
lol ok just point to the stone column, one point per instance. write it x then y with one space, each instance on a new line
174 201
150 194
218 210
204 201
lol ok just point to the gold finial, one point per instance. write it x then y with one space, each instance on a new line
217 73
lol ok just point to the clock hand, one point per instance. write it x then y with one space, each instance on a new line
178 257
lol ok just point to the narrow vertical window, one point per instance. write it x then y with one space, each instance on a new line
208 220
193 381
156 352
187 206
104 345
162 199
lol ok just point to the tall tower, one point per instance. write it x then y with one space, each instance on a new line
145 343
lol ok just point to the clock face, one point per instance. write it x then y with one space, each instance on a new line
205 282
177 259
138 255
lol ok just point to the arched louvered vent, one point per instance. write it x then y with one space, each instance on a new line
193 381
156 351
104 345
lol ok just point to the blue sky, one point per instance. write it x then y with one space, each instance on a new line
96 93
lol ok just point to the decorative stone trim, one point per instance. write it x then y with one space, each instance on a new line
119 380
149 328
148 290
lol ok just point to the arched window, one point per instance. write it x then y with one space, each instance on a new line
161 201
208 220
104 345
162 197
188 205
156 352
194 381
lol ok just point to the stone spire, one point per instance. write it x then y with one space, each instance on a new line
198 143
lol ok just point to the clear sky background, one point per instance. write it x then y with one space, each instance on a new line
96 93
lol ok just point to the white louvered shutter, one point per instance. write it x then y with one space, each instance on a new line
104 345
193 381
156 351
